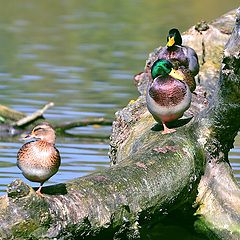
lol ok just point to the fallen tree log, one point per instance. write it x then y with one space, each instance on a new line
10 114
152 174
16 122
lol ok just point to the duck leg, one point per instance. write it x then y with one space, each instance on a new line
167 130
38 192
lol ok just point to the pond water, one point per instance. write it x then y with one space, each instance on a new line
82 55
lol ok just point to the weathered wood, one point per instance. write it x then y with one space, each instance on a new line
215 128
153 174
8 113
113 202
219 192
29 119
82 123
15 122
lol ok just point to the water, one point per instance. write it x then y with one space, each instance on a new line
82 55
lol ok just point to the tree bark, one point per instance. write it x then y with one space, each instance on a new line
219 192
152 174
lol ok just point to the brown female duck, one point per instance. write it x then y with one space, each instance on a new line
39 159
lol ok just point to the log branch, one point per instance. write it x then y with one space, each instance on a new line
13 115
113 202
83 123
33 116
219 193
15 121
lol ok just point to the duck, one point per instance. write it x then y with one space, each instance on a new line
178 54
187 77
39 159
168 95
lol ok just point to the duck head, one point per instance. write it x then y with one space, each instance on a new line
163 68
174 38
44 132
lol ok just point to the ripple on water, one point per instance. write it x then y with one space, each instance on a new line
234 158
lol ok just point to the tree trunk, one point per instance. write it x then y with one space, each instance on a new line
152 174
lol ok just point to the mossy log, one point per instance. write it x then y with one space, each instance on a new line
10 114
151 174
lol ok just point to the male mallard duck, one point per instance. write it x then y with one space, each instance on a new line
176 52
187 77
39 159
168 96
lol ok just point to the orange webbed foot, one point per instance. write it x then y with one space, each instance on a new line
167 130
38 192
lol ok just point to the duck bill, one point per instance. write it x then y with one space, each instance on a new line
176 74
170 42
28 137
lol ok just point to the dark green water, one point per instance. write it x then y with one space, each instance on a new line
82 55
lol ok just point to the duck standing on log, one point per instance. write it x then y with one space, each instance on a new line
168 95
39 159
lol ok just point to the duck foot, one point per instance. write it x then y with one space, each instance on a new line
38 192
167 130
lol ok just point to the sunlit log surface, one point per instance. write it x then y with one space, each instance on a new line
152 174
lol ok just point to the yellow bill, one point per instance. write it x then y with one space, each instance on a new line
170 42
176 74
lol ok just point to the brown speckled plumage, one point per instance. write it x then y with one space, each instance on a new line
39 159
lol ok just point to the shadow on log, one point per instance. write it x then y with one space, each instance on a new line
152 174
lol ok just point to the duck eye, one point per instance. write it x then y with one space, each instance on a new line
37 129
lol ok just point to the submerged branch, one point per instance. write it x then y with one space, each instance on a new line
83 123
17 120
33 116
8 113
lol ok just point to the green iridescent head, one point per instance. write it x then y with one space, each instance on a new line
164 68
161 67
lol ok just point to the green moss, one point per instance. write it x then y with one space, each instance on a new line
236 230
37 221
24 229
211 232
205 227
